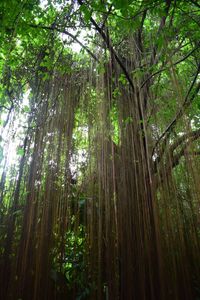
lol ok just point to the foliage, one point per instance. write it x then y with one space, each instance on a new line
99 147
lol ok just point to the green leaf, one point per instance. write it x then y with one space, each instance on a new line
128 120
122 79
2 56
20 151
86 12
26 109
116 92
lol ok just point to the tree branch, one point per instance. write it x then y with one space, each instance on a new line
161 26
110 47
3 106
195 3
180 113
176 158
176 63
67 33
186 138
107 15
139 36
190 136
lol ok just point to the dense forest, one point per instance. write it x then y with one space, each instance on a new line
99 149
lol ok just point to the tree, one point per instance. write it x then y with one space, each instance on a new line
108 149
